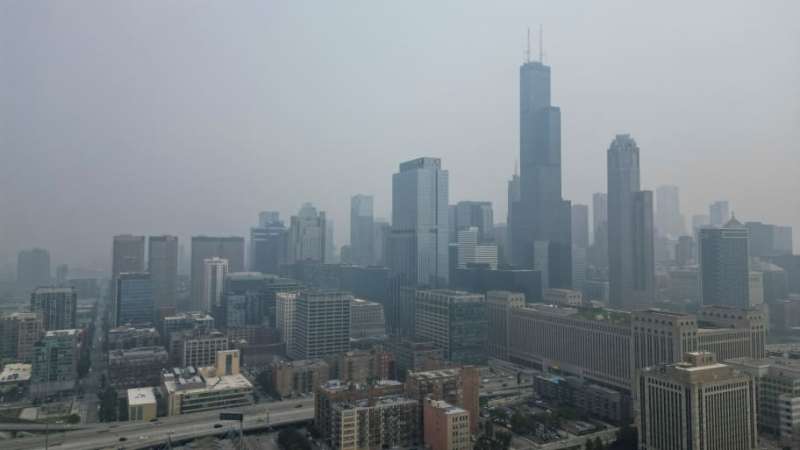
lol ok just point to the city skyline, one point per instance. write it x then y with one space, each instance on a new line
479 93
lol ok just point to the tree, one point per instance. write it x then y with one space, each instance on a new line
291 439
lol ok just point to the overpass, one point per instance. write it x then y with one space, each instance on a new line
38 427
142 435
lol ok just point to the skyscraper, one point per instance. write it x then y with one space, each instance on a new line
308 235
630 228
724 265
380 242
205 247
470 251
268 243
33 268
514 196
56 306
455 321
580 226
669 220
128 254
419 236
214 271
133 302
541 213
162 264
719 213
321 324
362 235
474 214
599 253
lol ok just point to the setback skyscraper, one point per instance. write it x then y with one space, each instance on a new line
162 263
419 237
268 243
541 214
362 236
308 235
630 228
724 265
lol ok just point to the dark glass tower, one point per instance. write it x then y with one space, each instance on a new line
541 215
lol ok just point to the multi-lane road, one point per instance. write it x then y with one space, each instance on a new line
140 435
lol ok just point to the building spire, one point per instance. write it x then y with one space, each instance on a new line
528 51
541 44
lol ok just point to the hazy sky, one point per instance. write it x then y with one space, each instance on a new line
189 117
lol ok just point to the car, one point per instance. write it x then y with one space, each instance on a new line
123 439
217 425
298 406
154 419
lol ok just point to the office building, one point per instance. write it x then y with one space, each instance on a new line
133 300
200 322
18 333
127 255
308 235
367 320
136 367
724 265
285 316
668 217
142 404
696 404
214 271
209 247
55 363
419 236
200 349
630 228
470 252
362 230
33 268
459 387
260 290
514 196
719 213
580 226
599 251
587 398
684 251
56 306
269 243
292 378
467 214
455 321
321 324
563 297
382 230
446 426
162 264
414 355
126 337
500 305
769 240
541 214
483 280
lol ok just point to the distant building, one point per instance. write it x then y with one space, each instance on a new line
684 285
455 321
500 306
599 252
580 226
724 265
141 404
127 255
126 337
230 248
214 271
321 325
162 264
260 291
362 230
57 307
367 320
380 242
471 252
55 363
697 404
136 367
308 235
446 426
200 322
269 243
719 213
133 300
419 236
563 297
412 355
482 279
290 378
769 240
467 214
18 334
684 251
668 217
33 268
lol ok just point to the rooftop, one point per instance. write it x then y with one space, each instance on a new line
141 396
14 373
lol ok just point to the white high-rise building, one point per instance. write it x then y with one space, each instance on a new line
308 235
214 270
471 251
285 316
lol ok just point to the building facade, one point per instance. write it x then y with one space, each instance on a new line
133 300
162 264
724 265
455 321
321 325
56 306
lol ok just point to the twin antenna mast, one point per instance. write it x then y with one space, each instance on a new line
541 46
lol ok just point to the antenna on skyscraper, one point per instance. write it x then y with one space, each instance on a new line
528 51
541 44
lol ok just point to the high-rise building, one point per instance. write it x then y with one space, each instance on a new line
285 316
446 426
724 265
580 225
769 240
308 235
321 324
699 221
380 242
719 213
668 217
500 305
599 251
128 255
362 225
471 252
133 299
367 320
56 306
455 321
696 404
33 268
630 228
514 196
459 387
684 251
18 332
541 215
419 236
55 362
268 243
468 214
162 264
214 271
205 247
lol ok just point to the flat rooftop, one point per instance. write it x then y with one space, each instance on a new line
141 396
15 373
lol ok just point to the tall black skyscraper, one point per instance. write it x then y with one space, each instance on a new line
630 228
541 215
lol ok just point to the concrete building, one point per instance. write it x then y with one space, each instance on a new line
455 321
260 291
162 264
482 279
580 226
385 422
668 218
15 376
419 235
719 213
541 214
724 265
467 214
413 356
322 324
446 426
285 313
308 235
291 378
200 349
214 271
362 226
685 251
587 398
500 306
514 197
756 284
470 252
55 363
599 251
133 300
18 334
684 285
361 366
56 306
33 268
127 255
230 248
696 404
630 228
269 243
563 297
136 367
367 320
200 322
142 404
459 387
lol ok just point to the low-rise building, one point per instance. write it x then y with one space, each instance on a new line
126 337
367 320
14 376
141 404
136 367
457 386
414 355
563 297
361 366
55 362
298 377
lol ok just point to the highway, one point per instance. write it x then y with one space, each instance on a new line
140 435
